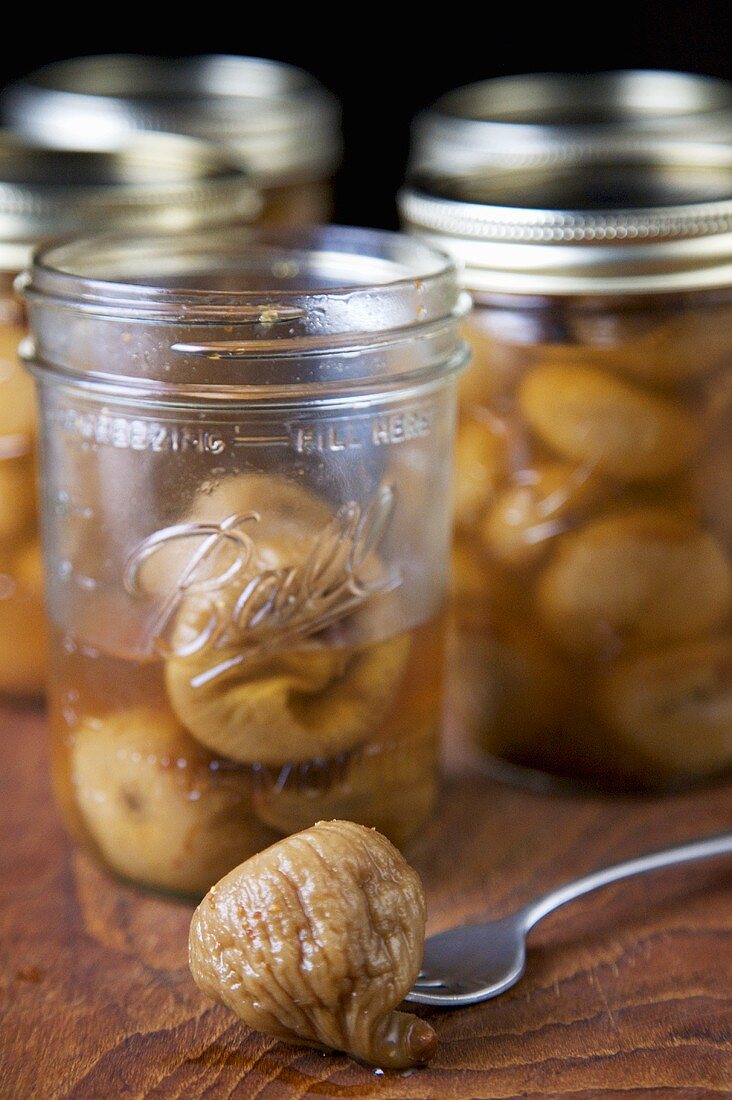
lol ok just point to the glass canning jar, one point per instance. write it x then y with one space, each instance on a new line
538 117
246 511
593 512
22 624
276 119
157 181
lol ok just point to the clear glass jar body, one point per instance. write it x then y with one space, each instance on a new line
22 624
246 597
593 551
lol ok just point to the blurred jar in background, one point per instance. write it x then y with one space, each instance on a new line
22 626
279 121
538 117
593 497
159 181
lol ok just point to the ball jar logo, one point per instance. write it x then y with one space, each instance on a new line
213 570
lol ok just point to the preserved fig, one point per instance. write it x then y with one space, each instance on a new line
594 418
480 457
159 808
541 504
638 578
294 705
316 941
674 707
388 786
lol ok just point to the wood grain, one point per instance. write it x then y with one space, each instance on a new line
627 993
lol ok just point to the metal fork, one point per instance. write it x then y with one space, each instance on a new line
475 962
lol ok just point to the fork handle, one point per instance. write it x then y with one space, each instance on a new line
696 849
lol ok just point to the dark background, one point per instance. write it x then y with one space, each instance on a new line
386 66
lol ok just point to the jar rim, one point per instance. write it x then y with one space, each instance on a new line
383 263
319 309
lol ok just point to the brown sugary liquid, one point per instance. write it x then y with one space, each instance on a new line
306 203
22 621
593 557
159 807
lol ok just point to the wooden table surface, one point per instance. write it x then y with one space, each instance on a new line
627 992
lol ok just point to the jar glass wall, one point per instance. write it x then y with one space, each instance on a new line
593 536
247 526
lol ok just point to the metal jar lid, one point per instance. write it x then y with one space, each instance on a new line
153 182
277 118
540 116
612 222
